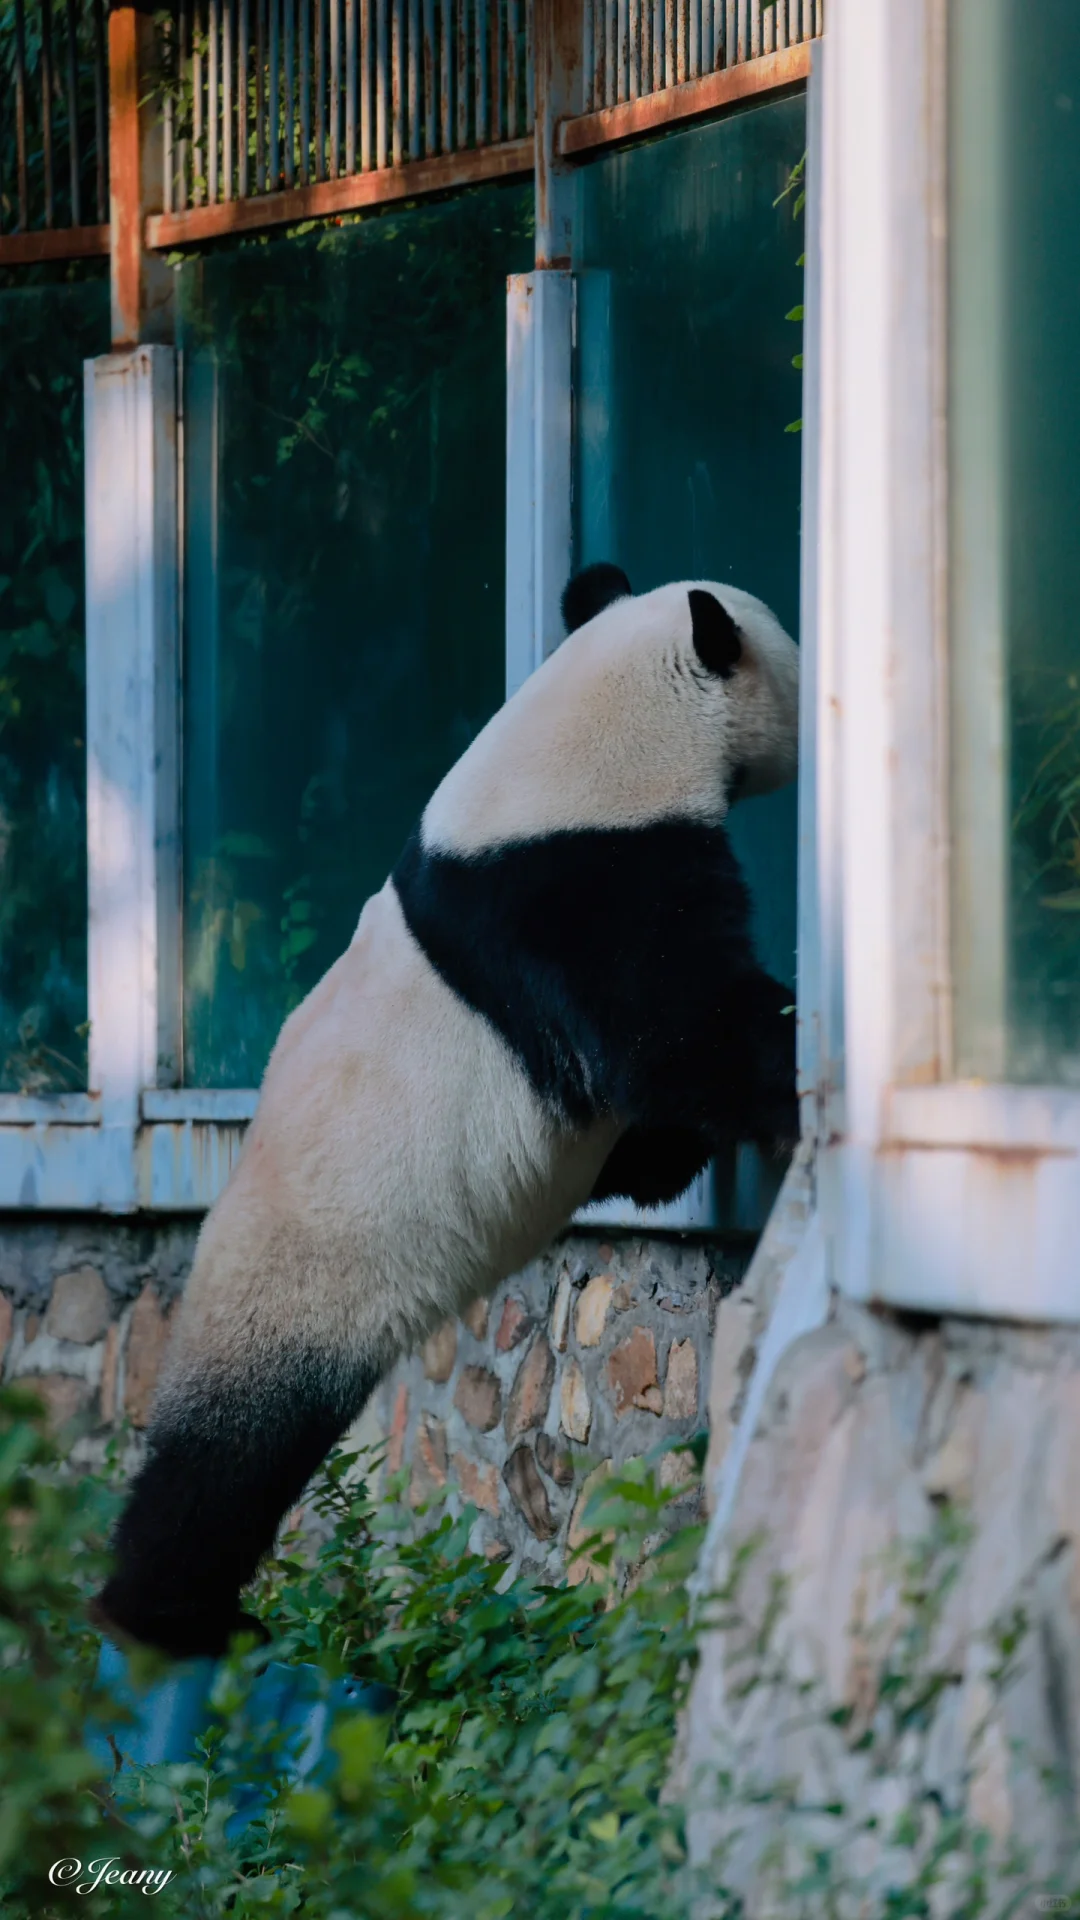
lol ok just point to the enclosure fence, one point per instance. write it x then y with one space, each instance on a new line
632 48
54 148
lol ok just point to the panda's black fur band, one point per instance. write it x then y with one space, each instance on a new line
226 1458
618 966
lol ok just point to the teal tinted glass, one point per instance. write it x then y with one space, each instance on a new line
345 430
1015 446
46 331
688 251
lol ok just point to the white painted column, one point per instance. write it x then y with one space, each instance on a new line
539 465
132 740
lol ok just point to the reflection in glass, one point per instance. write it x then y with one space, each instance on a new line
1015 546
687 387
688 250
344 446
46 331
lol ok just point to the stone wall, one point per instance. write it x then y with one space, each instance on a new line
912 1494
85 1307
593 1354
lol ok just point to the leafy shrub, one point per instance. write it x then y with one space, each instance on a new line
521 1770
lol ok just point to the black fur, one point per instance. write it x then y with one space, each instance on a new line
590 591
717 640
618 966
227 1456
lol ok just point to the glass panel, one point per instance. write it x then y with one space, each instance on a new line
1015 432
688 250
344 451
46 331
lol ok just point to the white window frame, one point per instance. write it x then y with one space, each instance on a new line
938 1194
139 1141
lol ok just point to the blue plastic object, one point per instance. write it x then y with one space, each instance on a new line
292 1706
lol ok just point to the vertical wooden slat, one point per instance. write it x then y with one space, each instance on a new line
320 89
680 40
20 115
446 118
397 73
657 45
415 55
101 136
182 68
497 94
744 20
622 49
671 25
480 74
73 113
232 90
513 91
260 95
273 97
243 69
289 103
755 29
46 77
462 77
633 78
530 69
382 85
367 67
168 149
213 56
693 41
349 162
334 23
780 11
198 80
305 91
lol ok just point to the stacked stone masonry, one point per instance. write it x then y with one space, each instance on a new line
594 1354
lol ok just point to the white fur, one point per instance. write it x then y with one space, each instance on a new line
398 1165
622 725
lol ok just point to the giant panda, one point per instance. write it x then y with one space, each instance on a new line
553 998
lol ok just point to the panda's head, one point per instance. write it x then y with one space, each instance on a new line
661 705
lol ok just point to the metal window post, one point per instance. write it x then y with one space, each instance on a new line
132 741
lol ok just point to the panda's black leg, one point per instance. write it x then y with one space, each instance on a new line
225 1462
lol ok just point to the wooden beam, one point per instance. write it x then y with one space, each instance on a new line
348 194
55 243
579 138
557 55
141 285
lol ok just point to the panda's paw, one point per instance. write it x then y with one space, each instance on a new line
181 1634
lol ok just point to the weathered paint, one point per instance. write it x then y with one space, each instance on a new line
142 287
132 741
60 243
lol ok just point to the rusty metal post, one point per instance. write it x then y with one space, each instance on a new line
142 284
557 53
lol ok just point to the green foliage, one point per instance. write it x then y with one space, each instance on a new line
522 1769
525 1767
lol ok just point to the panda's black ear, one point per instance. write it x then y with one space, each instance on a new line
717 640
590 591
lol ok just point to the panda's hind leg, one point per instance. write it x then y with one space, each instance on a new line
227 1456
